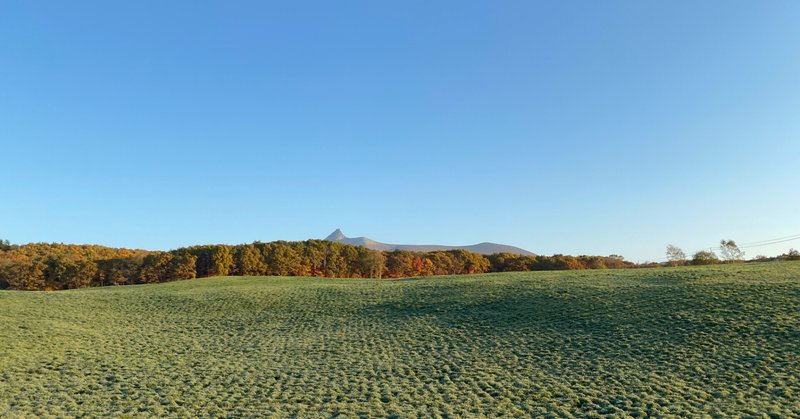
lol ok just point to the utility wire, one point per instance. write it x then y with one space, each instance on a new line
770 243
760 243
792 237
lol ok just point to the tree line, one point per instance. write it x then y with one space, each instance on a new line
729 252
55 266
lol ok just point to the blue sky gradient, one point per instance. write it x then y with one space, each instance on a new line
559 127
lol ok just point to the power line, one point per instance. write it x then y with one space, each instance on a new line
787 238
770 243
760 243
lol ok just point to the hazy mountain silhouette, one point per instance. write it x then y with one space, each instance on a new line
482 248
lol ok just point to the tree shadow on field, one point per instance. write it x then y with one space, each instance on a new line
590 313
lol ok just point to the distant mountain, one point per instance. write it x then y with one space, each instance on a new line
482 248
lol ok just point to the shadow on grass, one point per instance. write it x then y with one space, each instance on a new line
592 313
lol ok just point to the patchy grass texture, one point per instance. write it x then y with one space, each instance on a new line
683 341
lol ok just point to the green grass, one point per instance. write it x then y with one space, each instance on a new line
683 341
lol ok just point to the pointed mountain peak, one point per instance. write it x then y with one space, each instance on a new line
336 236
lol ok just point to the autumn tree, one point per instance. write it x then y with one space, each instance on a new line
212 260
78 273
64 270
222 261
21 273
399 264
118 271
38 266
182 265
704 257
475 263
336 265
617 262
248 260
283 260
511 262
592 262
423 266
370 263
154 268
558 262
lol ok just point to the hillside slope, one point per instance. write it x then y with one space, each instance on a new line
685 342
485 248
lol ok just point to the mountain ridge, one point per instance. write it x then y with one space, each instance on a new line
484 248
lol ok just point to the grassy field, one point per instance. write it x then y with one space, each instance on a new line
682 341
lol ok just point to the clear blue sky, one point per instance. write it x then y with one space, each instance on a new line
561 127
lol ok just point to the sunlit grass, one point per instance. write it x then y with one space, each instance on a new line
684 341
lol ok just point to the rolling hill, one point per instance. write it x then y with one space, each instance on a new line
484 248
713 341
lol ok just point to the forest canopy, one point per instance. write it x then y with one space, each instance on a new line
55 266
